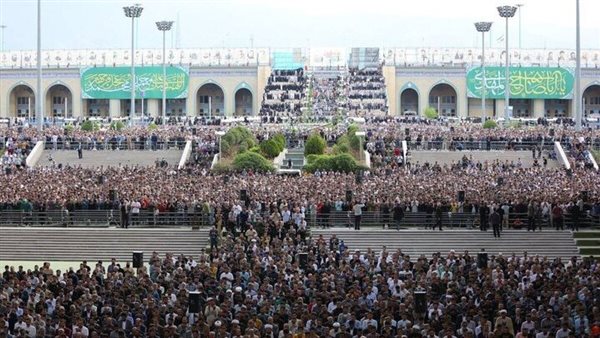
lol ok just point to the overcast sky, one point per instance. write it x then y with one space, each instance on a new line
85 24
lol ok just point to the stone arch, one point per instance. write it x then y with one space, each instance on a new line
409 96
21 100
443 97
243 100
58 100
210 95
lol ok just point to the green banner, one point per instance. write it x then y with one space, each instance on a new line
115 82
525 83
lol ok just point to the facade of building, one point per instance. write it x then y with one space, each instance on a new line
231 82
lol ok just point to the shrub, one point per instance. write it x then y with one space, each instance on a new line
341 148
280 139
251 161
90 126
117 125
315 144
152 126
339 163
431 113
255 149
69 128
490 124
270 148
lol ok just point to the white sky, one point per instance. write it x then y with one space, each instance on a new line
70 24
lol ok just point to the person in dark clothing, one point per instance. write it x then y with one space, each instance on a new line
80 151
124 215
398 215
483 217
438 216
496 220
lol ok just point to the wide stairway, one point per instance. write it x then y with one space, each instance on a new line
448 157
93 244
418 242
297 157
113 158
588 242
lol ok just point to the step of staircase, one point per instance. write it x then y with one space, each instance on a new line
588 242
77 244
95 159
417 242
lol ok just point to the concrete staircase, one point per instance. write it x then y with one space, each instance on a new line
447 157
588 243
93 244
297 157
417 242
95 159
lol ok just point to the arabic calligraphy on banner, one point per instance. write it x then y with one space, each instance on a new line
524 83
115 82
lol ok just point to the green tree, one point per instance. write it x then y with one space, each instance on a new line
339 163
90 126
315 144
431 113
270 148
490 124
251 161
117 125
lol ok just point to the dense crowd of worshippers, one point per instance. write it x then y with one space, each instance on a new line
260 284
366 92
284 94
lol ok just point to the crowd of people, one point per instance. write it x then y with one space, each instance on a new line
329 94
366 92
284 94
279 283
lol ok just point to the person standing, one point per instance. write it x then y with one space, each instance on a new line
557 217
80 151
398 215
496 220
124 208
438 216
357 215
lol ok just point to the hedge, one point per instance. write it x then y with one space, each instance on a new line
315 144
490 124
431 113
338 163
251 161
270 148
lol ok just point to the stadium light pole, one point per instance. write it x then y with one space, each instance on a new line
220 133
39 100
2 27
164 26
578 96
520 22
483 27
132 12
506 12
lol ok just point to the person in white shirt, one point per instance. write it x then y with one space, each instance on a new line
357 208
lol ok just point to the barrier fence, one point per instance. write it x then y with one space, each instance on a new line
148 218
117 145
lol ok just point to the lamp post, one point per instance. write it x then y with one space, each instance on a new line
577 97
220 133
520 36
2 27
483 27
39 100
360 135
506 12
164 26
132 12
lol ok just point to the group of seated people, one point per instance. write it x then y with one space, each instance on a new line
329 95
284 94
366 92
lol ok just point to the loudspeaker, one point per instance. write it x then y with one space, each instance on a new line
138 259
406 131
303 260
500 181
225 179
420 302
551 132
112 195
482 260
461 196
348 196
194 302
101 179
243 194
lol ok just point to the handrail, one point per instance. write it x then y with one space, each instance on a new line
561 155
185 156
35 155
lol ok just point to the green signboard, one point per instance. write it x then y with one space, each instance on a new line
115 82
525 83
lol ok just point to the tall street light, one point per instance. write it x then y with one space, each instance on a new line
506 12
39 106
164 26
2 51
577 96
132 12
520 36
483 27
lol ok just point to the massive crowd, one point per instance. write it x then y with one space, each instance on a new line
284 94
366 92
278 283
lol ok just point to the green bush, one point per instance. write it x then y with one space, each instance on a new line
237 138
90 126
251 161
69 128
490 124
315 144
270 148
255 149
280 139
341 148
152 126
339 163
431 113
117 125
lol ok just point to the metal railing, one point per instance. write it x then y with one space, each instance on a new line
116 145
448 220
